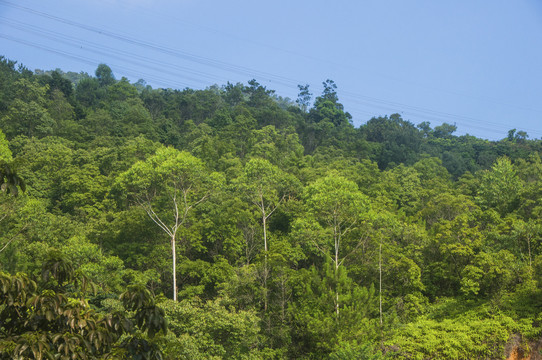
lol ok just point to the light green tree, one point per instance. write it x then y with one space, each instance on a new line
266 187
500 187
5 153
335 212
168 186
10 181
27 114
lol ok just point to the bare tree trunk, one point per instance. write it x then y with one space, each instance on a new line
336 289
266 213
529 247
265 270
337 239
174 268
264 220
380 292
380 280
265 263
265 290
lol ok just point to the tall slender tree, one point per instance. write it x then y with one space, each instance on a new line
168 186
266 187
337 206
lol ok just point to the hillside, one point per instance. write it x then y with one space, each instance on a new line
256 227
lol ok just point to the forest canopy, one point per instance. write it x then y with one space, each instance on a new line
232 223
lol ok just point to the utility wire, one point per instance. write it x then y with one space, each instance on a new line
332 63
168 68
287 82
159 48
167 82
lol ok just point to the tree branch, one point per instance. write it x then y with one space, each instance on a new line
13 238
362 240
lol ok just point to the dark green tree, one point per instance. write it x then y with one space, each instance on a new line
304 97
105 76
41 320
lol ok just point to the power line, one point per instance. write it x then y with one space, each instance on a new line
131 72
167 81
109 51
169 68
159 48
335 64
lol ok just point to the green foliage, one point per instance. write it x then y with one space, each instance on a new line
335 200
499 188
355 351
469 336
39 319
10 181
5 152
29 119
317 329
400 140
290 233
211 330
88 92
176 181
104 74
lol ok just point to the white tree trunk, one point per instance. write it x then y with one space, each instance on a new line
174 268
380 280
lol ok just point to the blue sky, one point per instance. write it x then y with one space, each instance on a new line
475 63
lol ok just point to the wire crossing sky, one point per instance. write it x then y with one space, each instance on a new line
475 64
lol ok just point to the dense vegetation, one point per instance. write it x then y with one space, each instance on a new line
256 227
